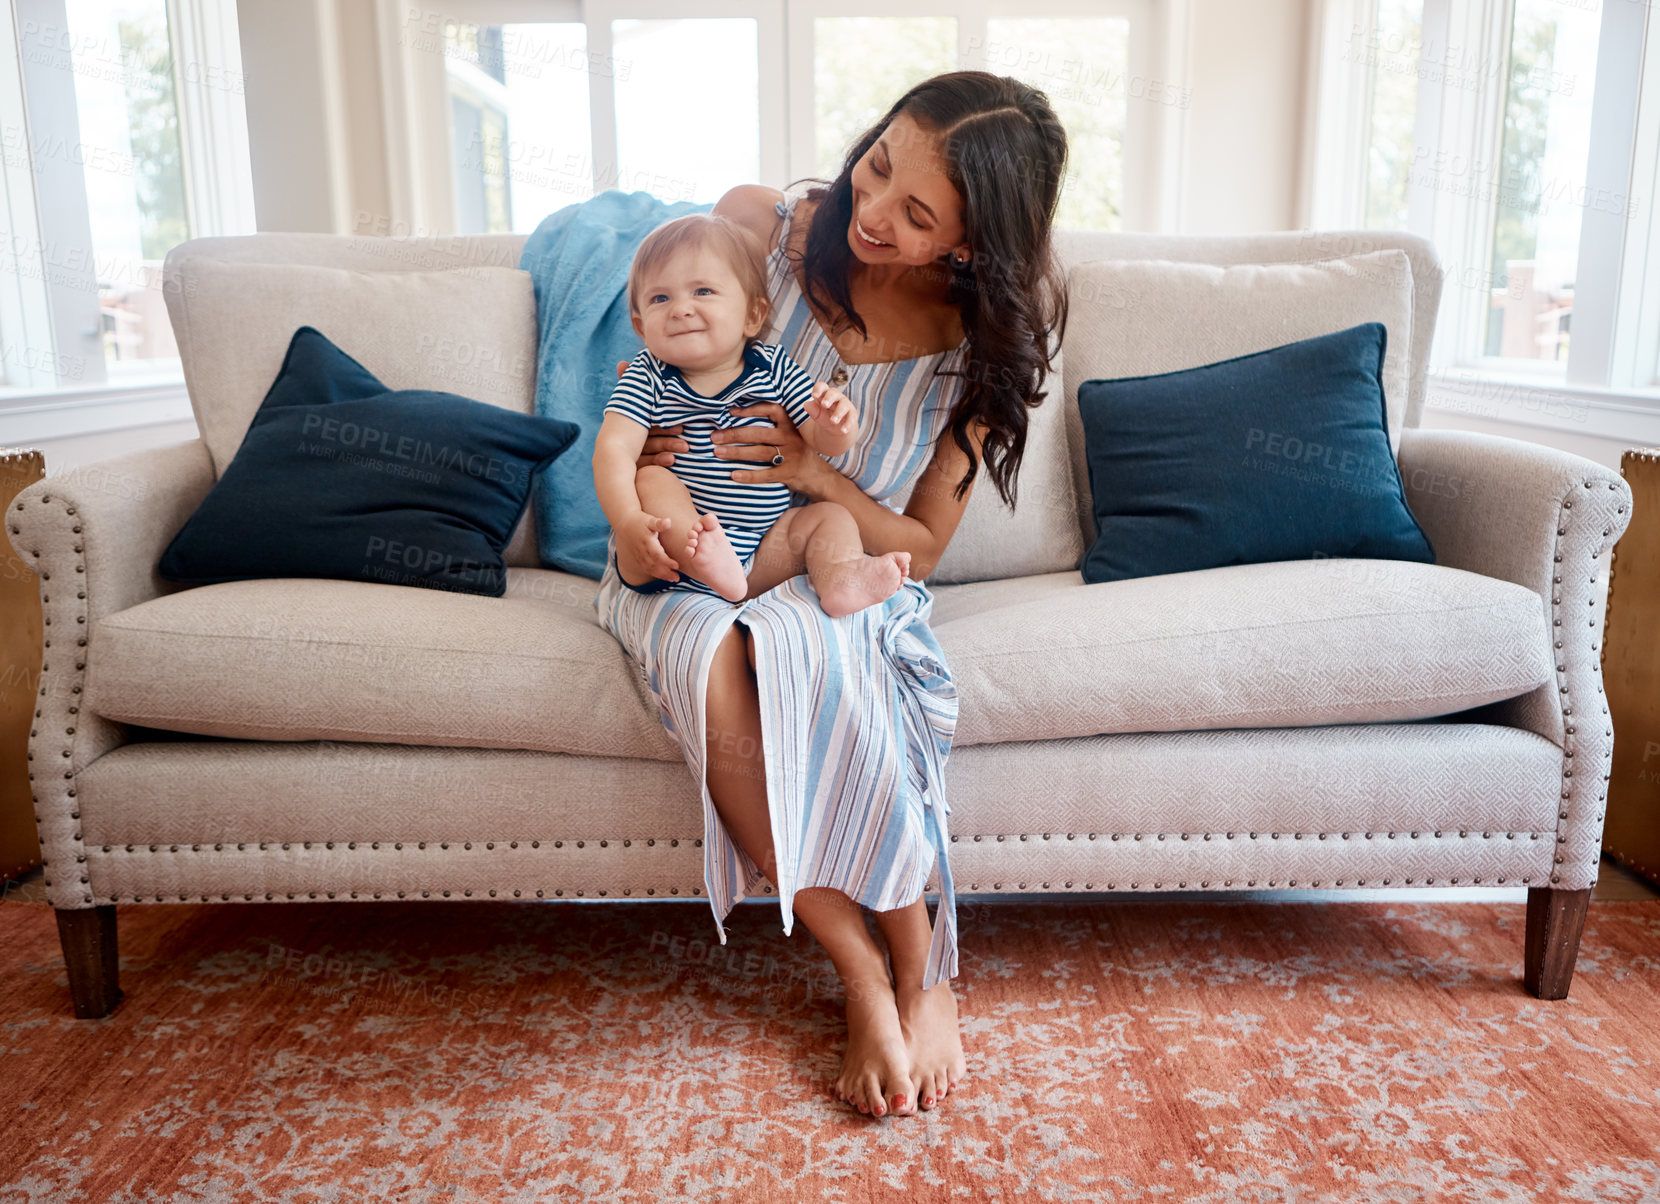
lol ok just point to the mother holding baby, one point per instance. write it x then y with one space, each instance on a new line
921 283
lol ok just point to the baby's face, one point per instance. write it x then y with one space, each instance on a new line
693 312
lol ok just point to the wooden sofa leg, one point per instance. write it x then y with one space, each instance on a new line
1555 919
89 954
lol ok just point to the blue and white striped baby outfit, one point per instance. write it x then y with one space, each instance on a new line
655 393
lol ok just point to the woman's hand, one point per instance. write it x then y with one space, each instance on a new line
661 442
801 468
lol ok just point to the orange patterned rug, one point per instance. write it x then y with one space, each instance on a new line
441 1053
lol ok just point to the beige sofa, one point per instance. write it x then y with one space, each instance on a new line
1325 723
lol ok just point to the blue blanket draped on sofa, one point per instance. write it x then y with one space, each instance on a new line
578 258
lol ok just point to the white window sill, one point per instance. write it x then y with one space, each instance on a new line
1529 399
29 416
134 385
1520 373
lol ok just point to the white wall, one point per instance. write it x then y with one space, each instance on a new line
290 60
365 138
1245 122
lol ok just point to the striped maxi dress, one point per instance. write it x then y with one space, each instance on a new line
857 713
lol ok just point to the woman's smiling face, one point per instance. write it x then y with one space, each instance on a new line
905 208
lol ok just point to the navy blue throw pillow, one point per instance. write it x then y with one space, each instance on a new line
339 476
1279 455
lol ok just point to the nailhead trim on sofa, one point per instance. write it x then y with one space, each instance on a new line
674 892
1576 795
64 611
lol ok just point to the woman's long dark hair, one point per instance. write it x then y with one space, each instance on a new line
1005 153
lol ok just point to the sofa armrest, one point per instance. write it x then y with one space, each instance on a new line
1545 519
94 536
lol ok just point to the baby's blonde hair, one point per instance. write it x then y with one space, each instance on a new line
730 240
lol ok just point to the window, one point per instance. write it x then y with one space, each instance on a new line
688 77
1541 174
861 65
1393 85
1083 65
476 70
1096 61
685 107
1506 134
129 138
127 144
520 122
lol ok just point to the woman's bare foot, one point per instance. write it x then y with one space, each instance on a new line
875 1074
862 581
935 1046
712 559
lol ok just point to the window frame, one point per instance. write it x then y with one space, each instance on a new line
51 205
467 81
770 49
1613 365
1634 354
803 45
25 300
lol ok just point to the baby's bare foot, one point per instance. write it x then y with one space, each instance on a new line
932 1040
711 558
875 1074
863 581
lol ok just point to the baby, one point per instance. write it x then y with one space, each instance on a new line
698 298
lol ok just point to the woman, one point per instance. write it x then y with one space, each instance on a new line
921 283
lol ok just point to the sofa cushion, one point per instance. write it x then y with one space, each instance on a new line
341 477
1041 533
1144 317
471 332
304 659
1429 778
1277 455
1273 645
1290 644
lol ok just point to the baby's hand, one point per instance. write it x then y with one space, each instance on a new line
639 535
831 408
